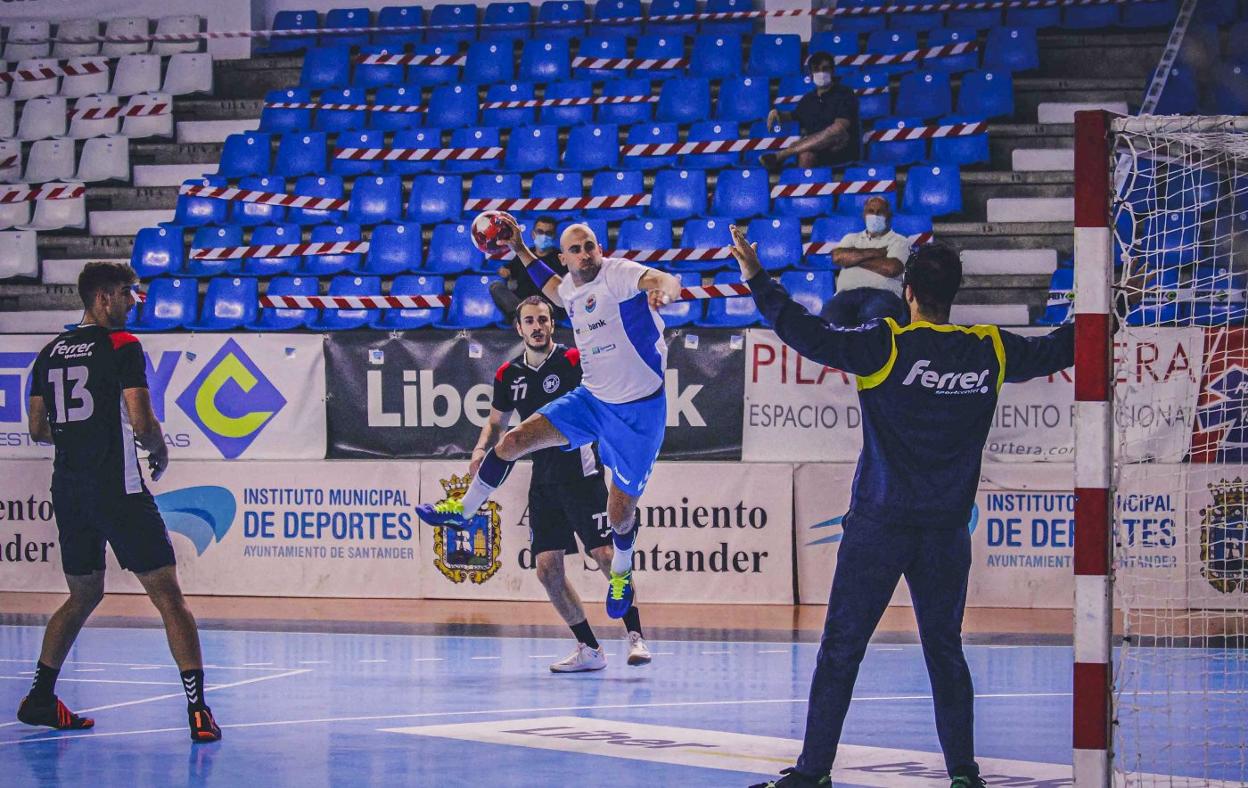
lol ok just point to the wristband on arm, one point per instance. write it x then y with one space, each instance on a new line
539 272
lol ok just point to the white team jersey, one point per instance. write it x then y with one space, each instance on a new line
623 354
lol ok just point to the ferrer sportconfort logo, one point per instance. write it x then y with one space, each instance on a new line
472 553
1224 538
202 514
231 400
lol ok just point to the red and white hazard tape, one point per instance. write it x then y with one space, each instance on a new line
417 154
828 189
637 63
411 60
708 146
868 59
557 203
103 113
675 255
266 198
278 250
713 291
857 92
585 101
827 247
410 108
925 132
54 72
990 5
7 162
356 302
39 193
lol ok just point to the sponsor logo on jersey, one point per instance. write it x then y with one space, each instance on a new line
551 384
66 350
1224 538
231 400
591 304
202 514
473 553
946 382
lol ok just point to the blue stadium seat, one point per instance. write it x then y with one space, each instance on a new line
811 288
402 95
376 75
510 91
830 229
532 148
252 213
953 64
736 312
1061 297
685 100
426 138
1171 239
432 76
562 12
272 319
682 313
760 130
924 94
454 16
804 207
212 238
272 234
436 198
975 19
245 154
407 319
300 154
972 149
376 199
715 56
194 211
774 55
170 304
891 42
392 249
915 20
316 186
660 47
400 17
911 224
601 46
1230 89
491 186
351 168
651 134
702 234
1181 93
796 85
618 182
283 120
346 319
568 116
489 62
592 148
1218 296
897 151
853 203
1090 17
326 67
1012 49
779 241
482 137
671 8
229 303
729 27
606 10
335 120
986 94
873 106
856 25
625 114
507 22
157 251
648 234
707 131
472 306
291 20
451 250
452 106
834 42
741 194
548 185
935 190
341 18
545 60
1218 12
1160 303
743 99
322 264
1038 18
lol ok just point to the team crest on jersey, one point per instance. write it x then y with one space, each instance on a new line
1224 538
590 304
473 553
551 384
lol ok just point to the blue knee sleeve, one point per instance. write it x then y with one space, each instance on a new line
493 470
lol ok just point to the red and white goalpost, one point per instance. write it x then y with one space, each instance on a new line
1161 230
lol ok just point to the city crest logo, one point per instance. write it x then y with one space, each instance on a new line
1224 537
473 553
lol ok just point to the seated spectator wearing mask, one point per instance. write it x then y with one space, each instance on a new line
871 264
828 117
516 284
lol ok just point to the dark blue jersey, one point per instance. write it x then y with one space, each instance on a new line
928 394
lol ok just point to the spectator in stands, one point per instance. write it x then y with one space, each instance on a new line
871 263
517 285
828 117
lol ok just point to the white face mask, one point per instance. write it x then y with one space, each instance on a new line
876 223
821 79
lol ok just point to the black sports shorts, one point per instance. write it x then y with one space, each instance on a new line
558 513
86 518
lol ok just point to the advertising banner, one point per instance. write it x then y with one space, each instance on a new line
244 529
427 395
217 396
1220 434
715 533
1217 545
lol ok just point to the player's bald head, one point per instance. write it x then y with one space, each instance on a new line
576 233
581 252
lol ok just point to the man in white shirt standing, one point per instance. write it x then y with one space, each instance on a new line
613 304
871 264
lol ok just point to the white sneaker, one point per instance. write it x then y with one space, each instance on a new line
638 651
583 659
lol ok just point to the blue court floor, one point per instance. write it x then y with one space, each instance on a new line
312 709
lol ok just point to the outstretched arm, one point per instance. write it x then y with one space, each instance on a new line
1033 357
661 288
547 280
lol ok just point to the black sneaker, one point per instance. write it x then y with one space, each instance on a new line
203 726
52 713
968 781
794 779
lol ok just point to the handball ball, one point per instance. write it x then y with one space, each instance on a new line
490 234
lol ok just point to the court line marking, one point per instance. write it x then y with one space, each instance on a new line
428 659
364 661
100 681
485 658
145 665
775 651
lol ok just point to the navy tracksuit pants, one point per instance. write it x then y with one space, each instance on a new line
872 557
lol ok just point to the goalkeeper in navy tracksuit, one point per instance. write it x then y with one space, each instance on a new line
928 392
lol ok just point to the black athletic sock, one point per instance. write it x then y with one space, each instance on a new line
193 683
632 620
584 634
44 687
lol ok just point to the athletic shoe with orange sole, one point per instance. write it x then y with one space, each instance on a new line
52 713
203 727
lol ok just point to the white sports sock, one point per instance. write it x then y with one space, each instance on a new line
478 493
622 559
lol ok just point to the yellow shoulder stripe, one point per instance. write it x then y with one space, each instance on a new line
991 333
880 375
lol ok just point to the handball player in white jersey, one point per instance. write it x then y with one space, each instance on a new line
612 303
